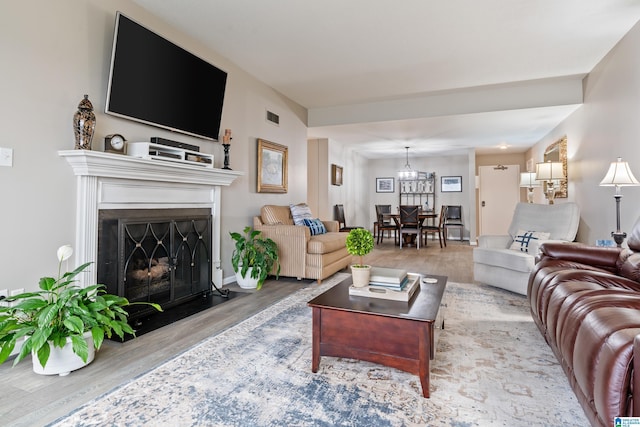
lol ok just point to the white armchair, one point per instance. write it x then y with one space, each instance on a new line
496 264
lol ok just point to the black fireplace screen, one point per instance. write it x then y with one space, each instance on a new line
160 256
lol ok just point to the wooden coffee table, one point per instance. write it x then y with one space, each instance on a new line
402 335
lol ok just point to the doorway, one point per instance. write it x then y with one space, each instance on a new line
499 193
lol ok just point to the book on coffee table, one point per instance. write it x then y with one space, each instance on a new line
404 294
388 276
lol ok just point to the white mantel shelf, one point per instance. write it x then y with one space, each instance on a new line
114 181
108 165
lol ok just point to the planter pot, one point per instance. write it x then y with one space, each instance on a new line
246 282
361 275
63 360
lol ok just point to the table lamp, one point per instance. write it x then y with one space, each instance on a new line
551 173
528 180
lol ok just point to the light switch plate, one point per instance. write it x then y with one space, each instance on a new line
6 157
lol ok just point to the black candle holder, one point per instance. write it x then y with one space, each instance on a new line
226 156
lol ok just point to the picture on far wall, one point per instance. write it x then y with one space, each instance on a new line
336 175
450 184
272 167
385 185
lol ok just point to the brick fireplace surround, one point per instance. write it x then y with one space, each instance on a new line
113 181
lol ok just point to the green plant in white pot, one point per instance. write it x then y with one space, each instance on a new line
253 258
360 243
62 324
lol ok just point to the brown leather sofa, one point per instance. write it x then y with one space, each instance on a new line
586 302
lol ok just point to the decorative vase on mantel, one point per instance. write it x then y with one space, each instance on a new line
84 124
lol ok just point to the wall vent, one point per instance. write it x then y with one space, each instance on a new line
273 118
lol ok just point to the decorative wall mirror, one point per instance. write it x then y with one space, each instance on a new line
557 152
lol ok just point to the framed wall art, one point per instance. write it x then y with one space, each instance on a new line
336 175
385 185
272 167
449 184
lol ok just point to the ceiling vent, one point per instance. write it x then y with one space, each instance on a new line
273 118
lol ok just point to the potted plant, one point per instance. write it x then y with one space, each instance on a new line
360 243
253 258
62 324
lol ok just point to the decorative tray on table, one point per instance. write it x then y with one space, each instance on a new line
376 291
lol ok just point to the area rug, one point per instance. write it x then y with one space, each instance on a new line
492 368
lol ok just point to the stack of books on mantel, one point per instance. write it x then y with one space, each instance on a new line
389 283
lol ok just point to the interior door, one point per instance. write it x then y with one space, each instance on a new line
499 193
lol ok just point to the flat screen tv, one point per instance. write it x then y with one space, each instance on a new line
156 82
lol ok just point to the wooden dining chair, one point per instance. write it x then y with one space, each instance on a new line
382 224
438 229
339 215
409 223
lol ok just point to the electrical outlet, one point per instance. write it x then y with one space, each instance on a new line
14 292
4 293
6 157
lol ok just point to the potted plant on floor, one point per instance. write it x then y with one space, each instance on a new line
62 324
360 243
253 258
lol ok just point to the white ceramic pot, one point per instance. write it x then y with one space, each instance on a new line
361 275
63 360
246 282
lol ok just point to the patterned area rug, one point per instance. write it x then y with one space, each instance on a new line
492 368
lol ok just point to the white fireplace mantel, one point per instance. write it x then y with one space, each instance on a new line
113 181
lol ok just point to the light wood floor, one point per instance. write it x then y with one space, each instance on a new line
28 399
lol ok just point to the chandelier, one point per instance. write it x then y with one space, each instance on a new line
407 172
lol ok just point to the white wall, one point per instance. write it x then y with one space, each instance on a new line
54 52
605 127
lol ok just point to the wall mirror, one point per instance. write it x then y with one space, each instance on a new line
557 152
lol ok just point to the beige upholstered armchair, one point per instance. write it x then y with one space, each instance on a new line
303 255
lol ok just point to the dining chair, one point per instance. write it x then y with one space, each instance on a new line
382 224
409 223
339 215
435 229
453 219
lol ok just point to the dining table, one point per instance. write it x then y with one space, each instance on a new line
422 216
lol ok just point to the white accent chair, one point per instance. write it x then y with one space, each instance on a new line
495 264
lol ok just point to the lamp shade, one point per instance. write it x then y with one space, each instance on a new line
619 175
528 179
548 171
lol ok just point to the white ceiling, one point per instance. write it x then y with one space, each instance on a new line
438 76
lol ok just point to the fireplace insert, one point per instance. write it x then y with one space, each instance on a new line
155 255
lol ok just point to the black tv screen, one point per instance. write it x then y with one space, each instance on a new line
157 82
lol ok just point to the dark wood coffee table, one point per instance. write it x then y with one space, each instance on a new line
402 335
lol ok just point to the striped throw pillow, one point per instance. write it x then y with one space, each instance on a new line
315 226
299 212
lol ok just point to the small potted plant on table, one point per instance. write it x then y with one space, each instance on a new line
360 243
253 258
62 324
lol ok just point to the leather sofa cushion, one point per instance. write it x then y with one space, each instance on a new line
519 261
326 243
275 215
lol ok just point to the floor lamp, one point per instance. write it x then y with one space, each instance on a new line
619 175
528 180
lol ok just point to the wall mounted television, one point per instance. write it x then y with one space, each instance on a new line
156 82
